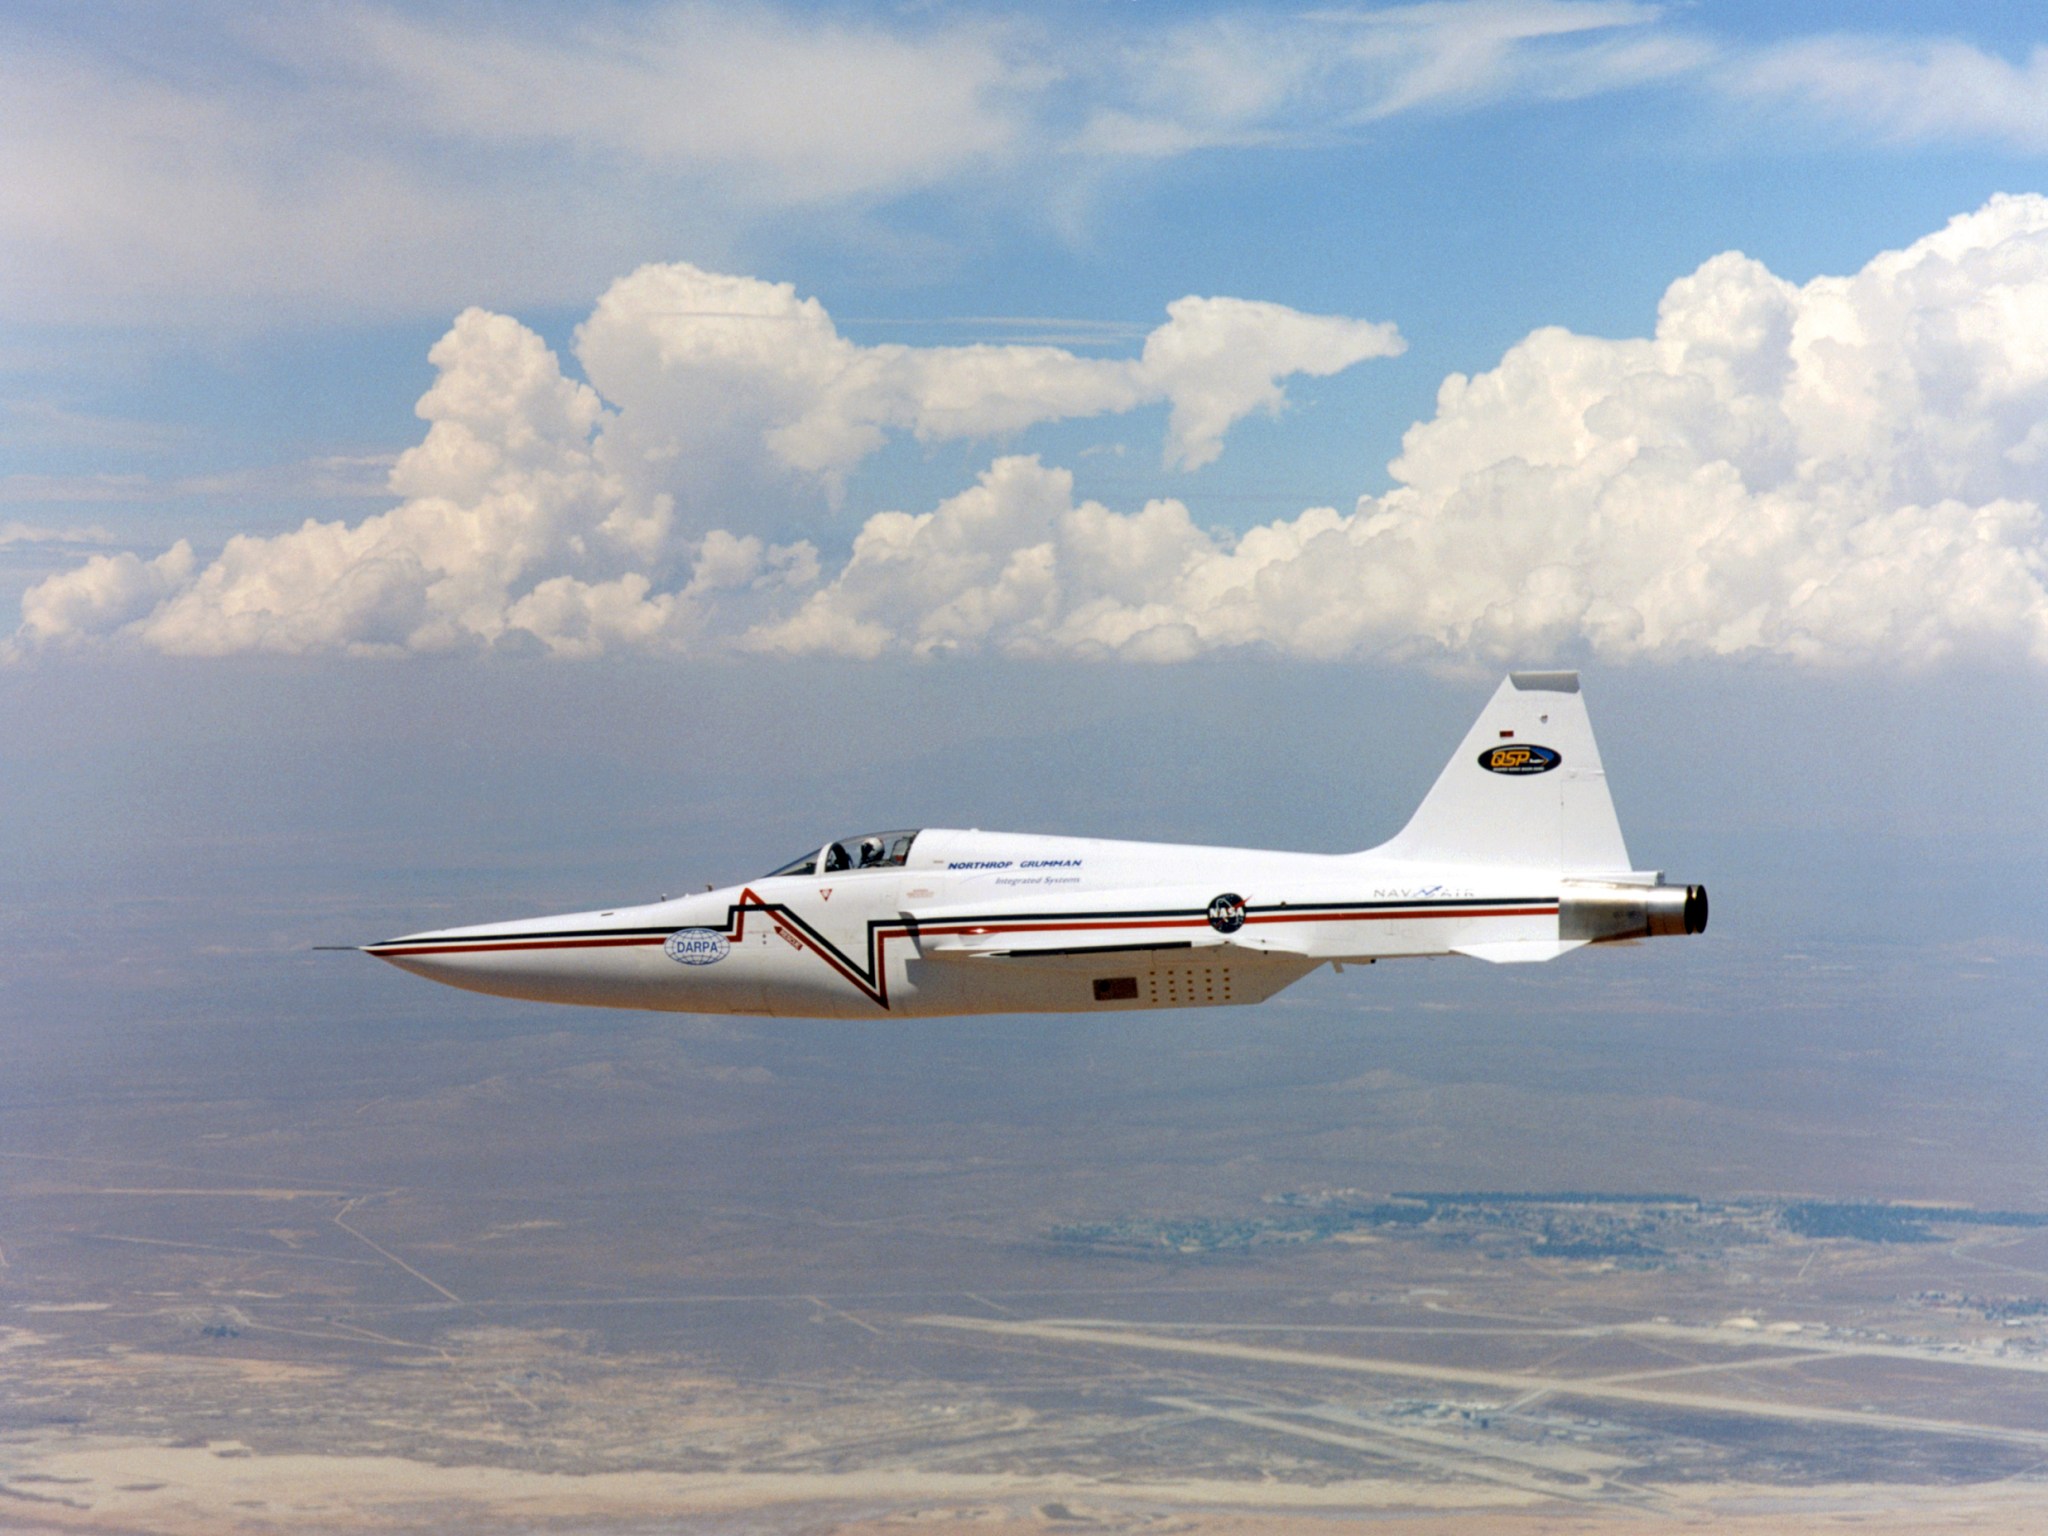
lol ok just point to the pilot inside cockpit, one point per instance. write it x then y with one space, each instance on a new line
873 850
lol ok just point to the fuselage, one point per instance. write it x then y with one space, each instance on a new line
990 922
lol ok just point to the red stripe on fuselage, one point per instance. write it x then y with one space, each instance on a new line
877 990
1405 915
492 947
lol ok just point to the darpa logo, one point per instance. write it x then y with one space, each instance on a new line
1226 913
1522 757
696 946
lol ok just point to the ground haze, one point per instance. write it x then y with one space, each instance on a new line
1747 1228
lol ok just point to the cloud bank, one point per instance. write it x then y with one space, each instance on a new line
575 513
1853 469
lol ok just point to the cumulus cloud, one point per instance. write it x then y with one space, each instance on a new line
572 513
1011 564
102 596
727 374
1850 469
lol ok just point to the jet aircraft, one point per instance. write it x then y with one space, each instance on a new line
1515 855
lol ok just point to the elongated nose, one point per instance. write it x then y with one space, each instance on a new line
546 959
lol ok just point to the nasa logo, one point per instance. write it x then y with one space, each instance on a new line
1226 913
1523 757
696 946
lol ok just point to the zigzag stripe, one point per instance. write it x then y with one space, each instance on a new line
870 977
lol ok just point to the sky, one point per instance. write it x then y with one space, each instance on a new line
470 464
489 374
488 459
1450 333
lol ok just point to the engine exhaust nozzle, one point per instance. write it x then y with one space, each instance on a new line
1605 913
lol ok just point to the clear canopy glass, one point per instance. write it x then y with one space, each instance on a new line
851 855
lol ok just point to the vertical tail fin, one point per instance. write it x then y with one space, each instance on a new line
1525 787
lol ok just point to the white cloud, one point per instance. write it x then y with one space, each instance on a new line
725 377
1908 90
504 483
1219 360
1011 564
1849 470
127 191
236 165
101 596
802 108
1247 79
15 532
1853 469
225 162
540 505
1436 54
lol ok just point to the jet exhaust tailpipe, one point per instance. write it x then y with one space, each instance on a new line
1602 913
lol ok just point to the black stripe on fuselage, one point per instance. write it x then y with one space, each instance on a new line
433 941
1092 949
870 977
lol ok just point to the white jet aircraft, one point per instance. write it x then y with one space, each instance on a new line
1515 855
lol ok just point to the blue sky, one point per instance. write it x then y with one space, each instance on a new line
234 234
473 461
318 637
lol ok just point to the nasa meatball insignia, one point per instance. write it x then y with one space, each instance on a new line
1226 913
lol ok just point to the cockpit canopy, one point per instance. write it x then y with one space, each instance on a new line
869 850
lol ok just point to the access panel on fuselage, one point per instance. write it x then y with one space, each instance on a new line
1180 978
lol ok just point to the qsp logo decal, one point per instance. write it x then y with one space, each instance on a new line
696 946
1522 757
1226 913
